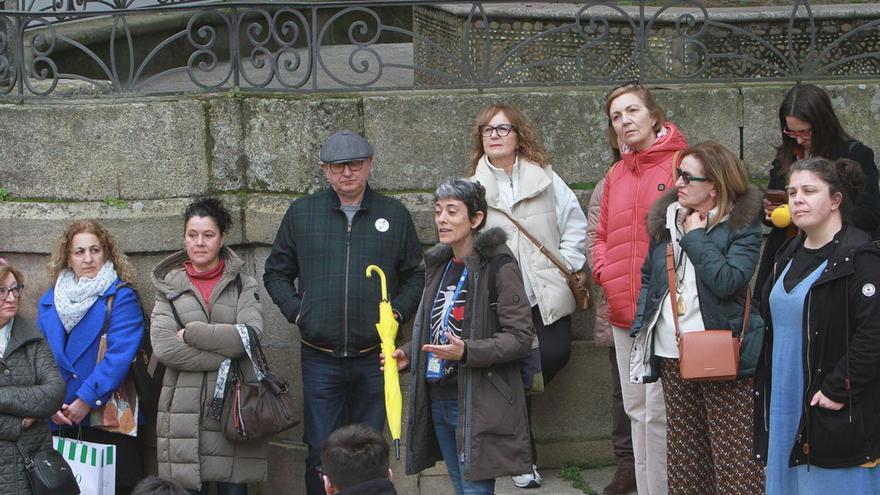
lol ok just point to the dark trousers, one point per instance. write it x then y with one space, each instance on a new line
555 342
621 432
337 392
129 451
222 489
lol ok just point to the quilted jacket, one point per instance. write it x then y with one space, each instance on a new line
30 387
190 445
631 187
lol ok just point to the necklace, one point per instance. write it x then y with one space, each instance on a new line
680 306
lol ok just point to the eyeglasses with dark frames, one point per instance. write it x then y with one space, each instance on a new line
502 130
338 168
687 178
804 133
15 290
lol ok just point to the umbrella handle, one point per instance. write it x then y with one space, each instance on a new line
374 268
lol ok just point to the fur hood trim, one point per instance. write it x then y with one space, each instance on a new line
745 212
486 243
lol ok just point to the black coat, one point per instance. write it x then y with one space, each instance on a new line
866 216
841 357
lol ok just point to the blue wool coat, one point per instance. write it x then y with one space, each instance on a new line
77 355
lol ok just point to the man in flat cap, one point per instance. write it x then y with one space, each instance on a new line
325 243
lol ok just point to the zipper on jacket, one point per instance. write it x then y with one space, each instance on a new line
469 389
765 394
806 401
345 292
634 294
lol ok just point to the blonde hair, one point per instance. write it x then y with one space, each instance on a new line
654 109
724 169
5 270
528 145
61 253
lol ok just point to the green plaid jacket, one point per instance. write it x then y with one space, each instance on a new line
333 303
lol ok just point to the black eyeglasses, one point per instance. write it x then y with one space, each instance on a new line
354 166
15 289
502 130
687 178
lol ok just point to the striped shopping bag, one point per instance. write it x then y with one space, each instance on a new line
93 464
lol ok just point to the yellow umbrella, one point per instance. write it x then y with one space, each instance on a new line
387 328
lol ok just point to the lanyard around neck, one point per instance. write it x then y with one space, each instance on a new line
444 321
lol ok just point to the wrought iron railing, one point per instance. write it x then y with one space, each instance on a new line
358 46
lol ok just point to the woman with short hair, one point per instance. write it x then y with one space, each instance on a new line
202 294
709 222
467 402
30 387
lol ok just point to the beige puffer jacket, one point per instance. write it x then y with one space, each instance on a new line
602 335
191 446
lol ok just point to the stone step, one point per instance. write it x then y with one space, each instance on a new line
553 484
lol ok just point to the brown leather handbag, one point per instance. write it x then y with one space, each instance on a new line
710 355
578 282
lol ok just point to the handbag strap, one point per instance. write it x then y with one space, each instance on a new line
28 460
546 252
673 295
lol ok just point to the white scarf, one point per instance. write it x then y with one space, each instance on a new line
74 297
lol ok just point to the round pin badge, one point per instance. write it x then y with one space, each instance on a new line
868 290
382 225
661 187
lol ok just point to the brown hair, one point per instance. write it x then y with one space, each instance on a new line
724 169
843 176
528 145
653 108
60 254
7 269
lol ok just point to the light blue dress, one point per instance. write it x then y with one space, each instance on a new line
787 311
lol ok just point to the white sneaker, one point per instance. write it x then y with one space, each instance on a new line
528 480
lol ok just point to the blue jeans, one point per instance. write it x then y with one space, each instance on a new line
337 392
444 413
222 489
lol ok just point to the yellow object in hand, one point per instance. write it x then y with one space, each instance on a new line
781 217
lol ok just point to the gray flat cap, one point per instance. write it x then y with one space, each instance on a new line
345 146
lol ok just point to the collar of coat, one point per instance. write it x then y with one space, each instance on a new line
849 242
659 153
172 286
365 201
485 244
533 180
22 332
746 210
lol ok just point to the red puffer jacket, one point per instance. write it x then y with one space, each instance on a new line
631 187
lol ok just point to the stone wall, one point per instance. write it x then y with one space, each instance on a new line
136 163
